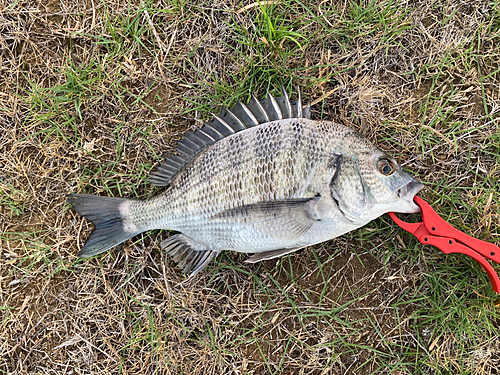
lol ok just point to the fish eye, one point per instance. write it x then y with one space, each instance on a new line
385 167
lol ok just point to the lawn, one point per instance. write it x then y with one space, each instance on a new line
93 93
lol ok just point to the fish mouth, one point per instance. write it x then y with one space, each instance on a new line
407 193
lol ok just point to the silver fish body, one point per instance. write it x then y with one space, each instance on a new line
270 188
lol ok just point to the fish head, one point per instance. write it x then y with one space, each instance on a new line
369 183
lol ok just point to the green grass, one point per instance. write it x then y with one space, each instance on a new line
12 198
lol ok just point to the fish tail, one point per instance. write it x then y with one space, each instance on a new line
109 217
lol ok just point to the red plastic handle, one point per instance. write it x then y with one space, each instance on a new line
449 246
437 226
434 230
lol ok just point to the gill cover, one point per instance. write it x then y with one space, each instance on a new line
348 190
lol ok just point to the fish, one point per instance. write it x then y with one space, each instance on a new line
261 178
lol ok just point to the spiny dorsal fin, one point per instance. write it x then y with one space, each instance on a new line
228 122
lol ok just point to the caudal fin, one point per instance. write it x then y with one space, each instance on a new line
105 213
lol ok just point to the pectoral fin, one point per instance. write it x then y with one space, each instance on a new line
287 219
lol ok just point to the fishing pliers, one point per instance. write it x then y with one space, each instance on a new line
434 230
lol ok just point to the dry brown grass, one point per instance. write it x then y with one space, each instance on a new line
92 93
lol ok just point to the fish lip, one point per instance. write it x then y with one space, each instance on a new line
408 193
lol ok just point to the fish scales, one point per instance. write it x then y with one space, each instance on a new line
267 188
259 165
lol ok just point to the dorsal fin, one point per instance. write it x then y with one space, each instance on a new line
228 122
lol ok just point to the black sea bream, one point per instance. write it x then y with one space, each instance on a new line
260 178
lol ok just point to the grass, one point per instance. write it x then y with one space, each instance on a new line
93 93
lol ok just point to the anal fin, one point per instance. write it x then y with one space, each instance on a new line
190 255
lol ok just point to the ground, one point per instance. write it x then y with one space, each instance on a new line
93 93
